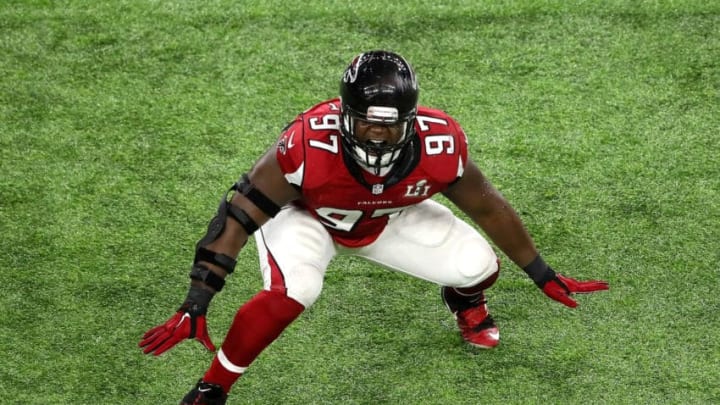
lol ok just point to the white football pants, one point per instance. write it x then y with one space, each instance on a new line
425 241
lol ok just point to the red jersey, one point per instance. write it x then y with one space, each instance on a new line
352 203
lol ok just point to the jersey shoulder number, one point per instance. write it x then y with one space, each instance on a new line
316 129
444 143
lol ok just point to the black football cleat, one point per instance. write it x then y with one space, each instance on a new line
205 394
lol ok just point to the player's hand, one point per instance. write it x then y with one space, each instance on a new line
187 323
561 288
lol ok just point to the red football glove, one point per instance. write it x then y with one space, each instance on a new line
560 288
188 323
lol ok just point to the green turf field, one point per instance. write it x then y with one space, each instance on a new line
123 122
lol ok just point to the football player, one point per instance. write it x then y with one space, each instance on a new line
354 176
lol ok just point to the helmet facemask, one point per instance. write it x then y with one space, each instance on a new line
371 154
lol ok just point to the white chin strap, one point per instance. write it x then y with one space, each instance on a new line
385 158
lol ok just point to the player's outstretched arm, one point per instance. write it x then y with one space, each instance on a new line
478 198
475 195
256 198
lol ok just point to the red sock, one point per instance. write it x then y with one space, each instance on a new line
257 324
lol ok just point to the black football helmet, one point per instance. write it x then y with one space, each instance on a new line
378 87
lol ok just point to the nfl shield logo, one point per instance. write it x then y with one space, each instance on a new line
377 189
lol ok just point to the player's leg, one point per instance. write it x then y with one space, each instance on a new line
294 251
429 242
469 307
